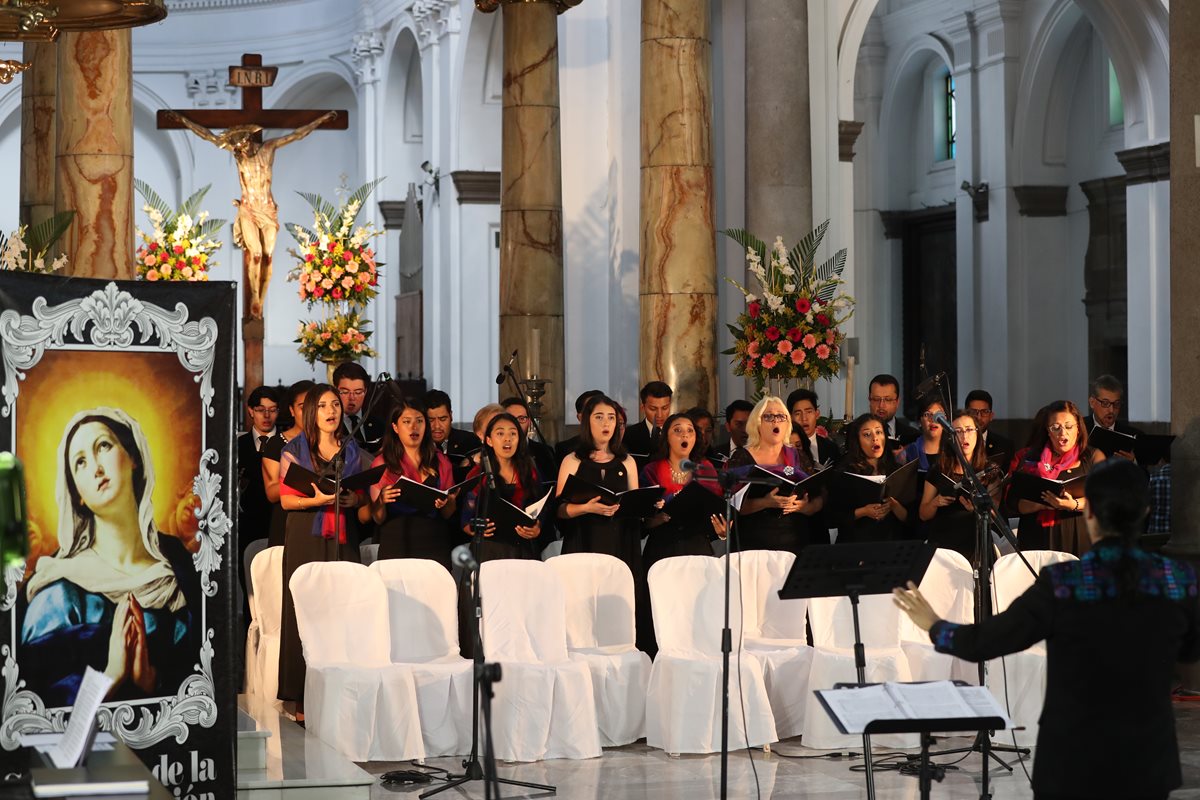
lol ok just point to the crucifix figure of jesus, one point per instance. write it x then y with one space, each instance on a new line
257 223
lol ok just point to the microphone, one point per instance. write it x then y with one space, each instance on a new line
504 369
687 465
485 463
944 421
461 556
927 386
14 528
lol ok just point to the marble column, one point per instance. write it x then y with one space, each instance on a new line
1185 281
678 273
94 151
778 127
531 242
37 131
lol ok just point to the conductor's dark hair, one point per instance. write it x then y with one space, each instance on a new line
1107 383
802 394
885 379
978 395
262 392
736 406
1118 496
656 389
350 371
582 399
587 445
436 398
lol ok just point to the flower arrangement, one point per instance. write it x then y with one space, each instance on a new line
792 328
336 270
342 337
181 243
27 248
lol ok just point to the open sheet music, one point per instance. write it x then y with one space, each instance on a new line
855 708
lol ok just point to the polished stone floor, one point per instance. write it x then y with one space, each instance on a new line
638 772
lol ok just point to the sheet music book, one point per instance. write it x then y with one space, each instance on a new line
634 503
948 487
811 485
1151 448
855 708
901 484
1109 442
1025 486
508 516
694 505
425 498
301 479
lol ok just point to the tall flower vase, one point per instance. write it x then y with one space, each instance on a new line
330 368
782 387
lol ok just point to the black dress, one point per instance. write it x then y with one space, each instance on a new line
770 528
953 527
272 450
845 495
1067 531
408 533
1110 666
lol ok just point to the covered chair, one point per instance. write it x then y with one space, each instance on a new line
266 604
949 587
423 622
1019 680
775 634
833 661
544 706
355 699
683 703
600 633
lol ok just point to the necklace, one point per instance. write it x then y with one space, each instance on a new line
680 476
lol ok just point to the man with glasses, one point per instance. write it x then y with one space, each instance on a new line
883 395
352 383
1104 399
254 510
979 405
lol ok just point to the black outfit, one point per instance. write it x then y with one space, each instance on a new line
273 450
1068 532
770 528
996 443
642 442
1119 426
564 449
953 527
459 447
544 459
902 429
408 533
369 435
1108 700
845 495
254 510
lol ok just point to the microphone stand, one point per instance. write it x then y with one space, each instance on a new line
520 390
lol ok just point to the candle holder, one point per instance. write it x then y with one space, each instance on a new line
535 390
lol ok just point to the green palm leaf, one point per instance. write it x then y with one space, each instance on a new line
153 200
295 230
42 236
748 241
319 204
801 256
211 226
191 206
363 192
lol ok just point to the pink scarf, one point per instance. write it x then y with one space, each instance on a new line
1049 467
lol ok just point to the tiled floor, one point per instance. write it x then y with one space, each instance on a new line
638 772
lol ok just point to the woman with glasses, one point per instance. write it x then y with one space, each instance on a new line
949 519
1058 450
867 459
928 445
774 521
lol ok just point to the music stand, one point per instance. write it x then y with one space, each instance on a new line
852 570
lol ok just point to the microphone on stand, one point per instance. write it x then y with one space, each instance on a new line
505 368
461 556
927 386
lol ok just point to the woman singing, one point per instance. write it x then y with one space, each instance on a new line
1057 451
950 520
928 445
272 450
774 521
517 482
318 527
118 596
866 454
1115 623
409 452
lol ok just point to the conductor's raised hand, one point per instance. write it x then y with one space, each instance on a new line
911 602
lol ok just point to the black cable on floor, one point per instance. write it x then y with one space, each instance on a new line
741 692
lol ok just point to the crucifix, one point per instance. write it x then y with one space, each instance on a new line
257 222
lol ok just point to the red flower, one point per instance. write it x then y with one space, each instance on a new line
309 257
772 333
794 334
337 293
769 361
178 249
822 319
754 309
803 305
318 292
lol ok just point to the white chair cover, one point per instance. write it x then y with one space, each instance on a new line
683 703
600 633
544 705
423 621
1019 680
266 574
250 675
355 699
833 662
368 554
775 633
949 587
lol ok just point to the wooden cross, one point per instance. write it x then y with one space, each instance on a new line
252 77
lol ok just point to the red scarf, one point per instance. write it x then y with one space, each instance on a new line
1049 466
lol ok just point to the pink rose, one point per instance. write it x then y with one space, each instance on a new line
810 341
784 347
152 275
346 338
822 351
327 284
150 261
797 356
752 349
769 361
347 282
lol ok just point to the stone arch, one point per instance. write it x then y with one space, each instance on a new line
10 150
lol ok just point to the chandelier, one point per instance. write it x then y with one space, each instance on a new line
41 20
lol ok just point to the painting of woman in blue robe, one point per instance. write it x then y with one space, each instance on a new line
118 595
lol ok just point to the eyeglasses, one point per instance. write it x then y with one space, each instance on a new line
1107 405
928 416
965 431
523 419
883 399
265 411
352 392
1058 427
774 417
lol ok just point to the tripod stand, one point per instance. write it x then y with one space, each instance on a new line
486 675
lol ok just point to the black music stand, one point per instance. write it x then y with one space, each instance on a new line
852 570
927 772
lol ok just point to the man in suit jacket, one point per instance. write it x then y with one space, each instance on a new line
642 439
439 414
1105 398
883 395
254 510
737 416
1093 703
805 410
352 384
979 404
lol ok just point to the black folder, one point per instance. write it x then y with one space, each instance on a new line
301 479
694 505
634 503
424 498
812 485
508 516
901 484
948 487
1109 442
1026 486
1152 448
